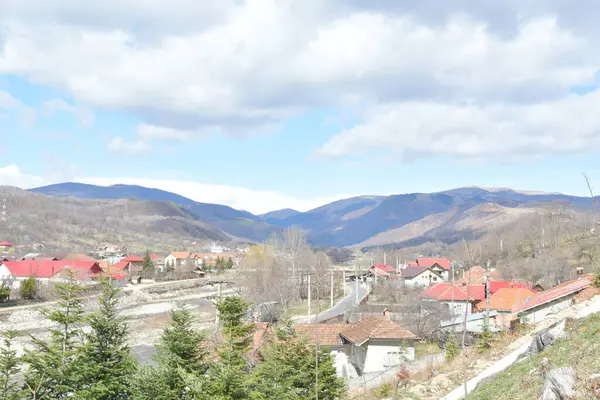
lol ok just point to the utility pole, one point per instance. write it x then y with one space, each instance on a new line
384 258
487 293
331 291
356 289
309 298
344 281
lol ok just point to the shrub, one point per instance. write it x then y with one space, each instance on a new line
4 292
29 289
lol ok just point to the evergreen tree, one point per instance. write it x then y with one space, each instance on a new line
29 288
181 350
52 371
106 362
227 379
10 366
150 383
289 371
452 347
148 267
229 264
486 339
4 292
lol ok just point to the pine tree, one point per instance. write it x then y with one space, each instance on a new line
181 349
227 379
10 366
29 288
148 267
52 372
4 292
150 383
486 339
229 264
106 362
452 347
289 371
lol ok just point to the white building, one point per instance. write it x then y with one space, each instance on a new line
421 276
378 344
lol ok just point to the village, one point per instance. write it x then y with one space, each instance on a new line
391 322
111 263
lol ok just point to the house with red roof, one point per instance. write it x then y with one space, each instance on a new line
47 271
440 266
538 306
6 246
458 297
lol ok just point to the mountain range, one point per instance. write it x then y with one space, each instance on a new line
402 219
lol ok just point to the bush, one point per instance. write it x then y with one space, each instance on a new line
452 347
4 292
29 289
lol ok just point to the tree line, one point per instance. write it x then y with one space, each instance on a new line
88 357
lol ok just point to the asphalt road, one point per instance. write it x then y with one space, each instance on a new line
340 307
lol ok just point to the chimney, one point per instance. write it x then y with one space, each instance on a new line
387 313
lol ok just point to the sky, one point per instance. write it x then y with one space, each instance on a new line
270 104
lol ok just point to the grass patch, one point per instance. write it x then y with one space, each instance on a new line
426 348
524 381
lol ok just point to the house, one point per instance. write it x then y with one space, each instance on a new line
7 246
420 276
459 298
46 271
378 344
441 266
179 258
497 285
537 307
477 276
503 300
475 323
373 344
387 268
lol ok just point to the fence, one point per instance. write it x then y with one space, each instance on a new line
374 379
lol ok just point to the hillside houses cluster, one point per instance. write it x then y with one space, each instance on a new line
509 301
105 262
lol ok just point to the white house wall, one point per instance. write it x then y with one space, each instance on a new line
383 355
541 312
424 279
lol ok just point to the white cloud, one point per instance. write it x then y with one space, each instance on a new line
421 129
11 175
153 132
10 104
255 201
83 114
120 145
186 68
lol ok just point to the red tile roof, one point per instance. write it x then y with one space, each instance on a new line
386 268
133 259
326 334
121 265
497 285
412 264
375 327
6 243
555 293
429 262
504 299
445 291
46 268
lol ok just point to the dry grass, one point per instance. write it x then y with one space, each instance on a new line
524 381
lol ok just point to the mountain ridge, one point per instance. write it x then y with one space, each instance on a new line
346 222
